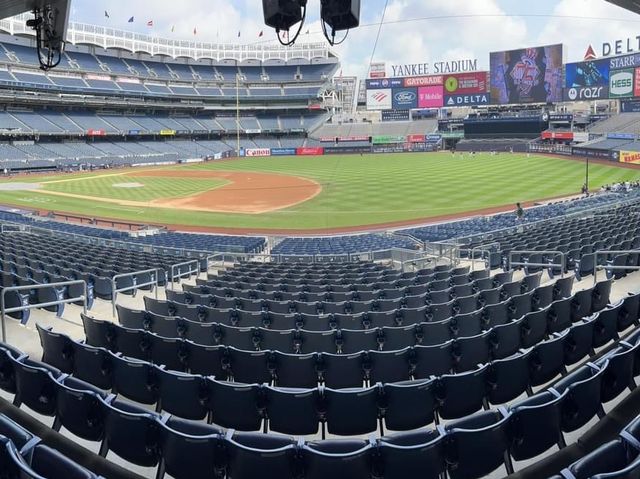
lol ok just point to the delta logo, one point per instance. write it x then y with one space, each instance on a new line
590 54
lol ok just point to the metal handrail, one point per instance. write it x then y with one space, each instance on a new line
4 310
114 291
562 265
173 276
596 266
422 258
472 257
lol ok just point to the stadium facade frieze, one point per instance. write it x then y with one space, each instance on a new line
421 69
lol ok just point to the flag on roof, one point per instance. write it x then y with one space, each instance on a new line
238 33
195 31
131 20
106 14
173 28
150 23
261 33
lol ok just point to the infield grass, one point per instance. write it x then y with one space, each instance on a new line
356 190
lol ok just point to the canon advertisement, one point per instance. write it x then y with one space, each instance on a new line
527 75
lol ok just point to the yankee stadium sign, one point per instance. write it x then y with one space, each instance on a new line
421 69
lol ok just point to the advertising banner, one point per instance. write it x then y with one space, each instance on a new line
434 138
621 83
385 83
379 99
636 82
388 149
92 132
310 151
580 136
466 83
587 74
627 61
353 138
466 100
630 157
378 70
415 139
395 115
527 75
167 132
430 80
134 132
591 153
586 93
283 151
557 135
561 117
257 152
405 99
620 136
336 150
387 139
630 106
430 97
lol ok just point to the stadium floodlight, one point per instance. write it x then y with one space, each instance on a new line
339 15
284 14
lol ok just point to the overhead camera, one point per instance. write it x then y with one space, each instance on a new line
49 38
337 15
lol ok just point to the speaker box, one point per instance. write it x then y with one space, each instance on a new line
341 14
281 14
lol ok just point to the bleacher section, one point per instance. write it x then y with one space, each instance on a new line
622 123
396 128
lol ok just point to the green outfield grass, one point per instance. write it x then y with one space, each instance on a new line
357 190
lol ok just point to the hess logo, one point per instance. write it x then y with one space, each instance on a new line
621 83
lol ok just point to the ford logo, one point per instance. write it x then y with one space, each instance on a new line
405 97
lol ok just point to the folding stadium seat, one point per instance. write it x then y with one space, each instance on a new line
93 365
377 319
432 360
101 334
172 353
133 319
559 315
584 266
388 366
250 366
199 333
601 293
240 338
79 410
547 360
507 290
350 341
618 374
56 349
464 325
582 400
508 378
612 460
184 395
489 296
293 411
295 370
578 342
337 458
312 342
505 340
502 278
483 284
463 290
19 436
629 312
581 304
542 297
190 450
135 380
208 361
131 432
236 406
470 352
35 386
465 304
461 394
350 412
283 341
519 305
413 454
133 343
606 325
534 328
163 308
43 461
480 445
495 314
251 455
342 370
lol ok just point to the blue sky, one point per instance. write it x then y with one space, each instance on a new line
487 25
